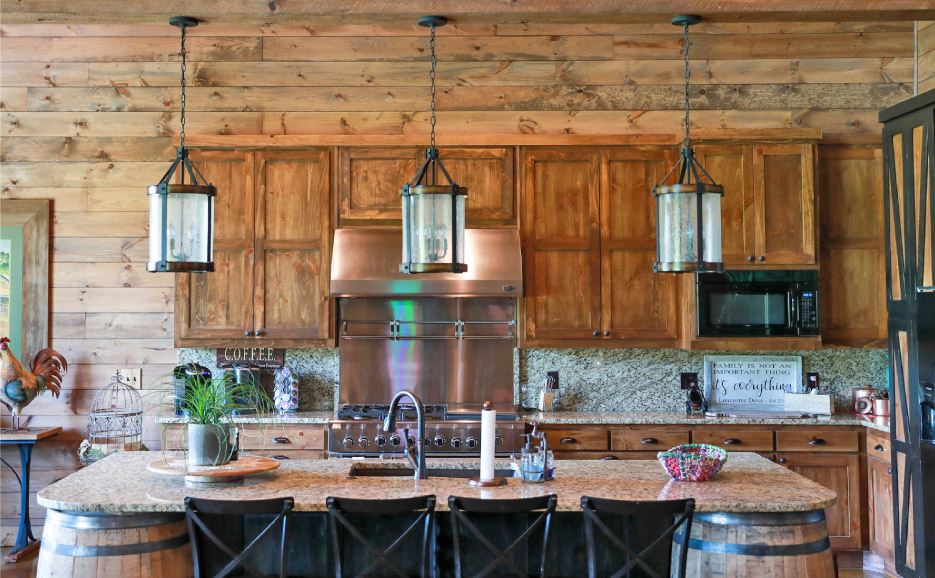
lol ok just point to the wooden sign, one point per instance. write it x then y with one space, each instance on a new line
262 357
751 382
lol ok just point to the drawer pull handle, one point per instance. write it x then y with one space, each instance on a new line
281 457
732 442
878 447
647 441
568 441
782 460
609 458
816 442
282 440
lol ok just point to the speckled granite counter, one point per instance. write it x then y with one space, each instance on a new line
674 418
297 417
120 483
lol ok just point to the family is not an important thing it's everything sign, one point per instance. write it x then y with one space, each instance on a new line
751 381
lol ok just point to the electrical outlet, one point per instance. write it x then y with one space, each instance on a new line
688 379
132 376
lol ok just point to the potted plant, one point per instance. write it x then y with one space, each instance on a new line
209 403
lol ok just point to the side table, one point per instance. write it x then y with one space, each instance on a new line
24 439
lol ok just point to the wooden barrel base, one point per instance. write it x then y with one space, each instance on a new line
764 545
83 544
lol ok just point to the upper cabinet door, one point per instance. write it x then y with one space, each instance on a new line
562 237
487 174
293 246
731 166
219 306
784 187
636 303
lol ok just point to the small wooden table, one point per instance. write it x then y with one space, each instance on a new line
24 439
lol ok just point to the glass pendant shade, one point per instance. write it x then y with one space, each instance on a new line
688 228
433 229
181 221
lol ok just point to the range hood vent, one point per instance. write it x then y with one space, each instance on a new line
365 263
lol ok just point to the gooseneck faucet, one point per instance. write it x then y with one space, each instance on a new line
389 426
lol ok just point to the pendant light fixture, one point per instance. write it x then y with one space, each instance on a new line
433 214
181 216
688 212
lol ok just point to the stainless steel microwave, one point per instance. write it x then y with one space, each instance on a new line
757 303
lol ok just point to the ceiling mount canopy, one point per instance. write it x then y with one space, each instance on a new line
433 213
688 212
181 215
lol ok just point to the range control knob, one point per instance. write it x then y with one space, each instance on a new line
364 442
497 440
380 441
348 442
426 442
395 441
439 440
471 443
456 442
411 440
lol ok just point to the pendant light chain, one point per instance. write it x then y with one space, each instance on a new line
688 73
183 91
432 80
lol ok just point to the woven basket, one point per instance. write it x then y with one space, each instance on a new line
693 462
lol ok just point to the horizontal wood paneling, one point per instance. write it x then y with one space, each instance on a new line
88 113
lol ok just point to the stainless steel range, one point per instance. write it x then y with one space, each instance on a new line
447 337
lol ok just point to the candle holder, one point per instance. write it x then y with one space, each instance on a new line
496 481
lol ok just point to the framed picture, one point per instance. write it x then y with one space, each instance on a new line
24 276
751 382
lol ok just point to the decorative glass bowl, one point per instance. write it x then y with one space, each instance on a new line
693 462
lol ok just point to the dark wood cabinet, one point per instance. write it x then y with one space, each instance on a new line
272 253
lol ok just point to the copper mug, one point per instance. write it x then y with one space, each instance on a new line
859 394
881 407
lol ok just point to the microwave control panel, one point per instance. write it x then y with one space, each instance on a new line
808 310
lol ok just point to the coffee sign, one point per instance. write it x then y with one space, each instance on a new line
751 382
262 357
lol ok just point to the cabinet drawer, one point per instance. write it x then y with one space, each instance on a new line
878 445
279 438
821 441
577 439
646 440
736 441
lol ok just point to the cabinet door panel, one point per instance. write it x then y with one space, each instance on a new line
880 489
370 184
562 244
219 306
840 473
731 166
487 173
293 245
784 191
636 304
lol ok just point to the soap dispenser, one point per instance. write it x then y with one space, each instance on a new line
531 465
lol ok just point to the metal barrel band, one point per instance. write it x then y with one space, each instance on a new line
118 550
761 550
95 521
761 519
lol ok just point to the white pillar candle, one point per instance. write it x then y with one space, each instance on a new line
488 431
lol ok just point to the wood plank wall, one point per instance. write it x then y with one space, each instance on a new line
89 111
925 48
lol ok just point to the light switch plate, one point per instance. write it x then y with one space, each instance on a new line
132 376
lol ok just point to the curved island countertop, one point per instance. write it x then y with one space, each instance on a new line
121 484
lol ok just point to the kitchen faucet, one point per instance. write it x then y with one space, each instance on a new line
389 426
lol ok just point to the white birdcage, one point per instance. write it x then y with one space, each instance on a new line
115 422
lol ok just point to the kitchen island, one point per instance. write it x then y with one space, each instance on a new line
749 490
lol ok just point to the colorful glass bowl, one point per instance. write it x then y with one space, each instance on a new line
693 462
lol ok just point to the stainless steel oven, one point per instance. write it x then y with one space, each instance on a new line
757 303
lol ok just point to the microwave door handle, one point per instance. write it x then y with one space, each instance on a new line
793 310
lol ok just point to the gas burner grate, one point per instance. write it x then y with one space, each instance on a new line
405 412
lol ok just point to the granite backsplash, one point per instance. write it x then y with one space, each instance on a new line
592 379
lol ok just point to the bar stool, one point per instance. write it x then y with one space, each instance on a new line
386 551
213 535
643 532
468 512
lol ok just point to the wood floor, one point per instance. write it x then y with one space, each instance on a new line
27 569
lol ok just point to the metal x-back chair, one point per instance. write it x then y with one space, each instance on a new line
640 517
462 507
422 507
198 511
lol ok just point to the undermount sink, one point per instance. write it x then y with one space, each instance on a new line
363 471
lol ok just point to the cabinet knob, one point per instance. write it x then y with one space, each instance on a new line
732 442
605 458
648 441
878 447
595 333
246 334
568 441
782 460
607 334
762 258
257 333
750 258
889 471
816 442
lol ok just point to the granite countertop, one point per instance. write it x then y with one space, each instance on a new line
675 418
294 417
120 483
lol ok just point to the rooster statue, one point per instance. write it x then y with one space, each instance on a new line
20 387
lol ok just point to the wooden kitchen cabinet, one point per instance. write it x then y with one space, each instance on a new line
880 490
852 276
768 210
371 179
272 254
840 473
589 249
